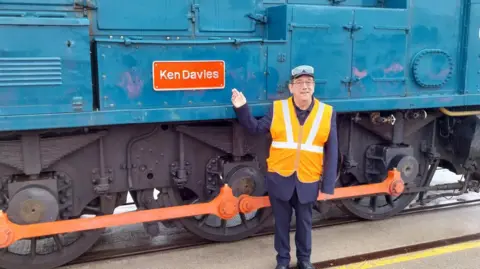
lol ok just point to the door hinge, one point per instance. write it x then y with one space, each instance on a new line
350 80
258 17
352 27
193 12
85 4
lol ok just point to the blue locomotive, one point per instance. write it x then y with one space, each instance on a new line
101 98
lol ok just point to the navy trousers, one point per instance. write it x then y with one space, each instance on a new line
282 211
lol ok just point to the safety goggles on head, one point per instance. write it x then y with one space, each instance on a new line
302 70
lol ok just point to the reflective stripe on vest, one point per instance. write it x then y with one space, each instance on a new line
290 143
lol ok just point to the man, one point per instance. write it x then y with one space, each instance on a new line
295 167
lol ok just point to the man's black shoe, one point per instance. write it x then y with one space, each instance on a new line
305 265
279 266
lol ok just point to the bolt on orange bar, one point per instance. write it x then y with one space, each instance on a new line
225 206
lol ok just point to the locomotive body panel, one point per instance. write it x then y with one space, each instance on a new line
127 74
45 64
472 61
396 55
436 51
318 37
152 16
379 47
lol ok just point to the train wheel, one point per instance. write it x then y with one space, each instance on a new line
53 251
375 207
49 251
242 180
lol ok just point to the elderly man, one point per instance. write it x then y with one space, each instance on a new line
303 151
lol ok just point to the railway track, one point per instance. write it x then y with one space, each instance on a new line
189 240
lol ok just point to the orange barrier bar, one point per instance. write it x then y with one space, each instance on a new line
225 206
392 185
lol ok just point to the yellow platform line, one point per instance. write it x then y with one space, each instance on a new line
412 256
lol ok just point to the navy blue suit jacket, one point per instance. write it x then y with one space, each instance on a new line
281 187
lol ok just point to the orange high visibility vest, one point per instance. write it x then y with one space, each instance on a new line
297 148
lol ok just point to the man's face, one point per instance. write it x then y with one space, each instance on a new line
302 88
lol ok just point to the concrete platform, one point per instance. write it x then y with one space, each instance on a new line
328 243
464 259
457 256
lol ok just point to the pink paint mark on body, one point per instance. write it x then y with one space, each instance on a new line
395 67
132 84
359 74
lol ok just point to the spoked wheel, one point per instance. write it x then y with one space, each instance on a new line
242 180
53 251
375 207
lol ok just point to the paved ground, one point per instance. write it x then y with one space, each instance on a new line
465 259
458 256
329 243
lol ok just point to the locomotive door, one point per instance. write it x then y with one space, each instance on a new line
379 62
318 39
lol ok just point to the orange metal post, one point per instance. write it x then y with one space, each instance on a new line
225 206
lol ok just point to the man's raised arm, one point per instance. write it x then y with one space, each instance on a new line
246 119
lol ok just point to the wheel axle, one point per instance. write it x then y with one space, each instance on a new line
225 206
